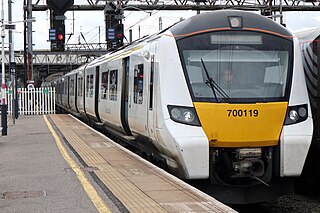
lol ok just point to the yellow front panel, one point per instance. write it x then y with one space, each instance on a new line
242 125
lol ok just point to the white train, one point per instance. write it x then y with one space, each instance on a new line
221 96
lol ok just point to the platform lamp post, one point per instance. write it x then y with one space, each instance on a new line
3 84
12 64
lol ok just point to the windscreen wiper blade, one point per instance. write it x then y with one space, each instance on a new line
216 89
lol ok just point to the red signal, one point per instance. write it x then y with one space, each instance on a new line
60 37
119 35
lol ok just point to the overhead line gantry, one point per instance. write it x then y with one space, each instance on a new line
134 5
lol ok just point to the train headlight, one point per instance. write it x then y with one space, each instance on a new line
302 112
235 21
293 115
185 115
296 114
188 116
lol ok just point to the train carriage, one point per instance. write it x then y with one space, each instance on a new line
221 97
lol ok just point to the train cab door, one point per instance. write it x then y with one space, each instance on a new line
151 105
125 96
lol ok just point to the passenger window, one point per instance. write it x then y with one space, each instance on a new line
80 86
104 85
91 85
138 84
87 86
65 88
113 83
71 87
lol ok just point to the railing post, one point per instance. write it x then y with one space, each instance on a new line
54 100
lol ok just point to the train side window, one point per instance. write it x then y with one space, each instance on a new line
113 84
151 83
87 86
138 84
61 87
82 89
80 86
71 87
91 85
65 91
104 85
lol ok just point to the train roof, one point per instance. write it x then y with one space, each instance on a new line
220 19
51 78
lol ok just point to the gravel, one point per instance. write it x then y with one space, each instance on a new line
294 203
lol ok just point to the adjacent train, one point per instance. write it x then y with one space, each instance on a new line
221 97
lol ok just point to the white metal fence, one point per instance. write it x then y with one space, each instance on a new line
36 101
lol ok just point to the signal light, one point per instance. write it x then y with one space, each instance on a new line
115 35
118 31
60 37
58 43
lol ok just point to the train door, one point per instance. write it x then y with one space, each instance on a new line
84 91
68 93
61 87
59 92
71 92
76 92
96 93
125 96
151 106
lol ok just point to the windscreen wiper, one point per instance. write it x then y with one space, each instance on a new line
216 89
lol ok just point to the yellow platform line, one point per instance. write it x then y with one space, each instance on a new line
90 190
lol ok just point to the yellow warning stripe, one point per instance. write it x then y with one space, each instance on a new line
90 190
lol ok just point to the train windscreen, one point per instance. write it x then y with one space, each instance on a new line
237 66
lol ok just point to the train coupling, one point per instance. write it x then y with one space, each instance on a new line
249 162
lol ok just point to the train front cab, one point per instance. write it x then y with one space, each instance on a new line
258 120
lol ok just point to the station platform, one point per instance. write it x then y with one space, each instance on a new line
55 163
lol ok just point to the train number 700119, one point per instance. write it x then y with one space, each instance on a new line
242 113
